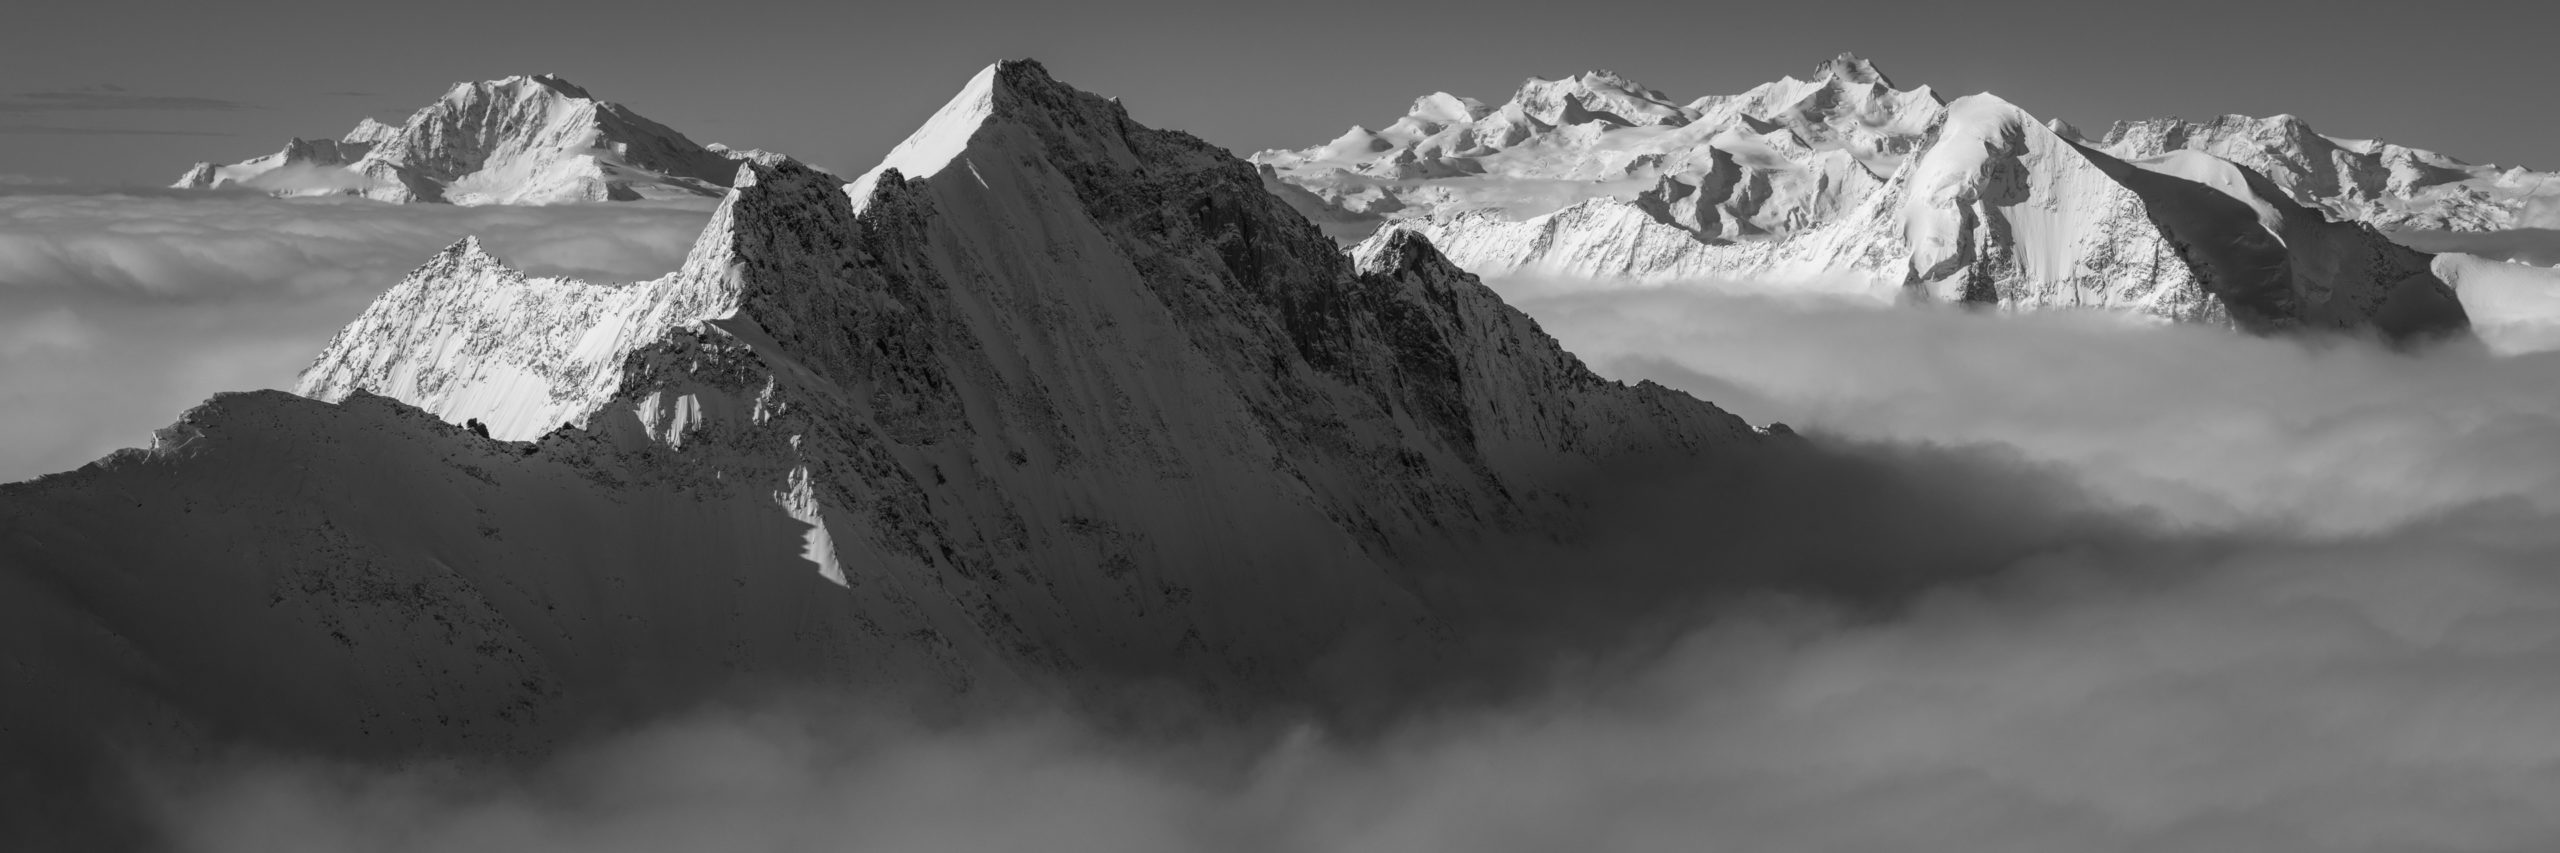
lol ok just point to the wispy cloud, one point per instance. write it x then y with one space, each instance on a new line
48 130
56 328
113 99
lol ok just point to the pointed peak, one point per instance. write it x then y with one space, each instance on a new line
558 84
1024 70
943 136
562 85
463 260
463 253
369 131
772 198
1015 83
1849 68
1603 76
1399 250
1058 119
2288 124
773 171
538 85
1988 101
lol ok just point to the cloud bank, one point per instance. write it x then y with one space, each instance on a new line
2334 627
118 310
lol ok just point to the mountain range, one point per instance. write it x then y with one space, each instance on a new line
1846 182
1049 398
1842 182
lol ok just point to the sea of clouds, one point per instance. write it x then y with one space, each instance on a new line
2322 612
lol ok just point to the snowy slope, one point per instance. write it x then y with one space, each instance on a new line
1841 183
1995 209
2387 185
519 140
1768 161
1054 394
2279 266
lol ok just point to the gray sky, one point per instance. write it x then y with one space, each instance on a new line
838 83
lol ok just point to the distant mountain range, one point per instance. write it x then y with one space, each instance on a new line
1847 182
1839 182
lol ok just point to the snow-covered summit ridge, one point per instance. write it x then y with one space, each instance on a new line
942 137
467 337
1849 67
1769 160
1844 182
526 139
2367 180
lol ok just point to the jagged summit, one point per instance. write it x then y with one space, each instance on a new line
526 139
1596 95
1767 161
462 253
1845 182
553 82
1400 251
1049 396
1018 94
2366 180
1848 67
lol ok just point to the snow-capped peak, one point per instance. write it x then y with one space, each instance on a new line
559 84
1848 67
517 85
1012 109
1447 108
370 132
1765 162
526 139
1844 177
462 254
2362 179
1596 95
467 337
942 137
